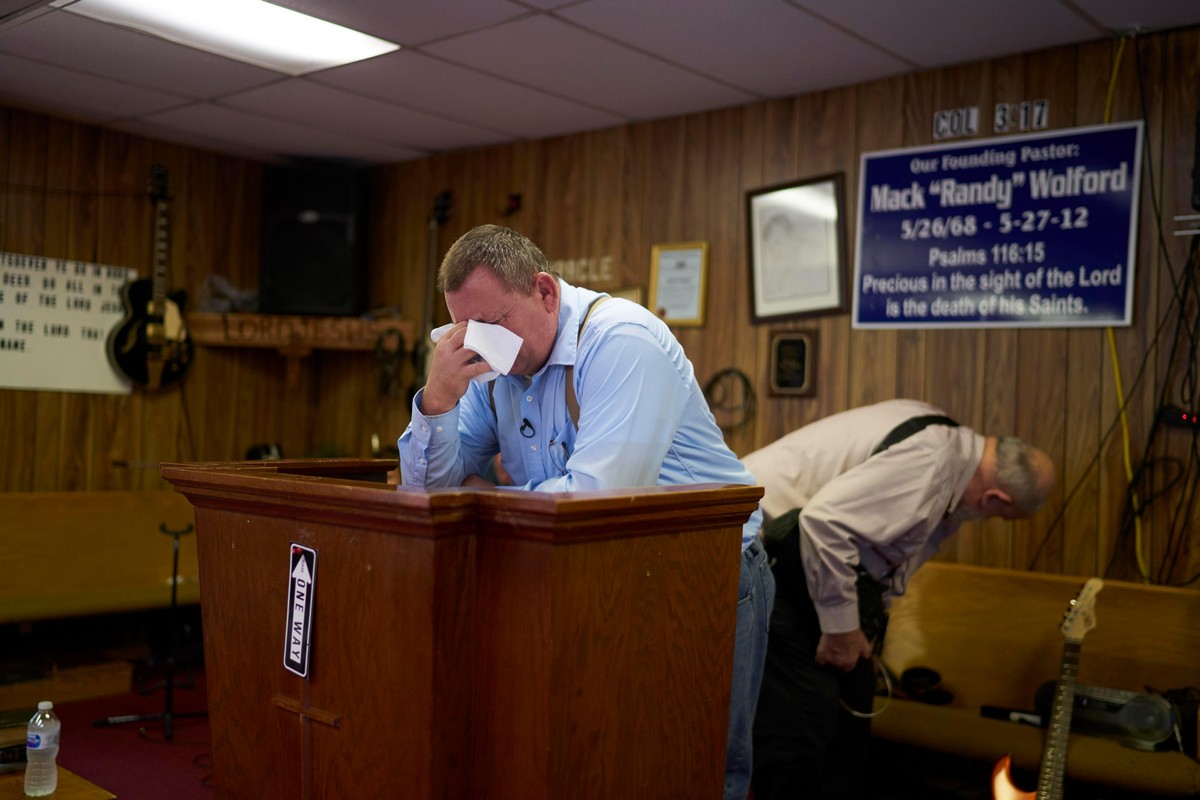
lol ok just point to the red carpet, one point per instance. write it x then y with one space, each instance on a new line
133 760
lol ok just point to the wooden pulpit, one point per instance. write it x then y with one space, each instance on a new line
462 643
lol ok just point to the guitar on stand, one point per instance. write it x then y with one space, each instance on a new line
422 352
1078 620
151 346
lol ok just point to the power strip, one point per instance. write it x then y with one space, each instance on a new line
1176 417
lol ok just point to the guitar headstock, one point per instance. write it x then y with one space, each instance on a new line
1080 616
157 183
441 207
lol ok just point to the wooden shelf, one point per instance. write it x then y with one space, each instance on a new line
297 336
294 333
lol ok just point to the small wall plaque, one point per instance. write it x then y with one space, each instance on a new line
792 363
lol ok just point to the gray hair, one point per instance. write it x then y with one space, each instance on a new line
1018 473
511 257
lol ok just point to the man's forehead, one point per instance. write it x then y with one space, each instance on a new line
478 305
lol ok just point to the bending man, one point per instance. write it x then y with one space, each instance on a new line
855 503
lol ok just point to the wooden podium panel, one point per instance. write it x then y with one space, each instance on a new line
606 640
466 643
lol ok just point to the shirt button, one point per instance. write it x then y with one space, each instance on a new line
438 429
528 398
533 447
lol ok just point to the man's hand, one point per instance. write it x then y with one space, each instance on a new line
479 482
450 372
843 650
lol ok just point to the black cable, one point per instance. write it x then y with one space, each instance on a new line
1137 379
1141 483
1178 530
1178 298
1184 332
718 402
1184 511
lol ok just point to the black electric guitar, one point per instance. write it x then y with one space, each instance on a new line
150 346
1079 619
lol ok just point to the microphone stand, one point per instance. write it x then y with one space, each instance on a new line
168 714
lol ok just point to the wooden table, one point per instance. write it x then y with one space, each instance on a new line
70 787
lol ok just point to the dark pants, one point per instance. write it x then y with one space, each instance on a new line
806 745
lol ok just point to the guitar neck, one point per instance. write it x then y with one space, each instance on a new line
1054 754
161 251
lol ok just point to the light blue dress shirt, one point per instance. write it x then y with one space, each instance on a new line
643 419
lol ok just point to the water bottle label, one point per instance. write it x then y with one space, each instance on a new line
39 741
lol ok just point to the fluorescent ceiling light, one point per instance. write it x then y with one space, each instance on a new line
253 31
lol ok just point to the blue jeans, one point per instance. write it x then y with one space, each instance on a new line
756 595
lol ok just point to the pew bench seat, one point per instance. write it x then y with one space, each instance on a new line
68 554
994 636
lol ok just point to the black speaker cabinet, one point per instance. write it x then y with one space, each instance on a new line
314 253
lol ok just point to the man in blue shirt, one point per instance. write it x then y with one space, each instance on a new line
600 396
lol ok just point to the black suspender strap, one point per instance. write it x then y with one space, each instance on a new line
909 427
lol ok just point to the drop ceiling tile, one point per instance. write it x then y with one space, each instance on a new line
453 92
562 59
53 90
252 131
765 46
190 138
108 51
549 5
1121 15
412 21
305 102
8 7
489 71
933 33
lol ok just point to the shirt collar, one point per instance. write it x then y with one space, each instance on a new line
573 303
971 446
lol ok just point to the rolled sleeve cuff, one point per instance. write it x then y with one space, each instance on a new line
839 619
426 436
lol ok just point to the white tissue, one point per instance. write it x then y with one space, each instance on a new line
495 344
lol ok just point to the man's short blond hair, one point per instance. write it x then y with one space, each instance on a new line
511 257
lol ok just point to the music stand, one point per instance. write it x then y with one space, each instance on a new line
168 714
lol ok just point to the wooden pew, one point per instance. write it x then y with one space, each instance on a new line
994 636
81 553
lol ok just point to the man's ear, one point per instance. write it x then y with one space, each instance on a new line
545 287
996 501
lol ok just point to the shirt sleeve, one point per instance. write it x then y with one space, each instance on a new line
631 398
885 507
438 452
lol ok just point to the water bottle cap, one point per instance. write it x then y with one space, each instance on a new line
45 705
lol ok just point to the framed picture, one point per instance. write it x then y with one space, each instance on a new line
797 248
636 294
678 281
793 363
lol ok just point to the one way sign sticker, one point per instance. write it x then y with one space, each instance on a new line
302 581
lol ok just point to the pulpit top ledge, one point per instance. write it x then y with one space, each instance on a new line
361 493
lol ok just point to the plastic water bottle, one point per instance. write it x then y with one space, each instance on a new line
41 750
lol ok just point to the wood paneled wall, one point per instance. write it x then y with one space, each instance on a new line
73 191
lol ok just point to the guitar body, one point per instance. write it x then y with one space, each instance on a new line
151 346
1002 783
